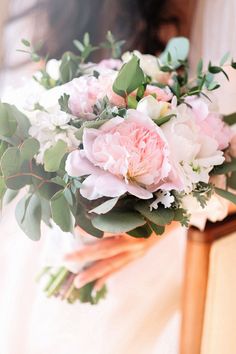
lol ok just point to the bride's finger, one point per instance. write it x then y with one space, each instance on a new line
104 267
105 248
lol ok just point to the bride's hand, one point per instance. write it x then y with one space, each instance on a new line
107 256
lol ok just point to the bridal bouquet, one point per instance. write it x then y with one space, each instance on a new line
126 145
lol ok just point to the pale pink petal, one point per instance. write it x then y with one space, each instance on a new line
102 185
138 191
78 165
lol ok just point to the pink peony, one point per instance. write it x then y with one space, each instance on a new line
85 91
162 94
210 123
124 155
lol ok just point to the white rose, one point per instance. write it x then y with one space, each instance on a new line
53 68
193 154
151 107
215 210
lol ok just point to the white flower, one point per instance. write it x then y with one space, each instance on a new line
53 68
151 107
48 128
24 97
149 65
163 197
193 153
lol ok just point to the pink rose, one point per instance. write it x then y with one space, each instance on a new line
85 91
210 123
162 94
124 155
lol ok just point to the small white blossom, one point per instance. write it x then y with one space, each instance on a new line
163 197
53 68
49 127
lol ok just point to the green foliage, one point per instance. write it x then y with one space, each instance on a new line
31 50
130 77
85 48
63 102
226 194
54 155
28 215
141 232
231 180
118 221
8 123
29 149
203 193
69 67
175 53
161 216
105 207
113 45
95 124
225 168
230 119
61 212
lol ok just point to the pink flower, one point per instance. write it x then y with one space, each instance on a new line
162 94
85 91
210 123
124 155
114 64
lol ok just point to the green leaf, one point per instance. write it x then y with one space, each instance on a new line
3 148
69 67
54 155
28 215
130 77
226 194
85 223
61 212
29 149
161 216
118 222
105 207
162 120
2 187
132 102
8 123
63 102
230 119
199 67
141 232
224 58
231 181
159 230
89 124
25 42
87 291
178 48
23 123
9 196
225 168
11 162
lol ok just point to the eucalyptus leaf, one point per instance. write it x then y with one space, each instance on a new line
8 123
61 214
105 207
83 221
54 155
231 181
178 48
118 221
95 124
28 215
29 149
141 232
130 77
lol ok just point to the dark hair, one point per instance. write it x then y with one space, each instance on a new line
140 22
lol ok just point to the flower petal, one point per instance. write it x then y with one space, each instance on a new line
78 165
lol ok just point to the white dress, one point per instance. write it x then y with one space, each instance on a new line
141 314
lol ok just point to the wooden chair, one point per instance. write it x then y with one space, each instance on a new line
199 245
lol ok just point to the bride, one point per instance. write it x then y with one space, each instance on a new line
141 312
